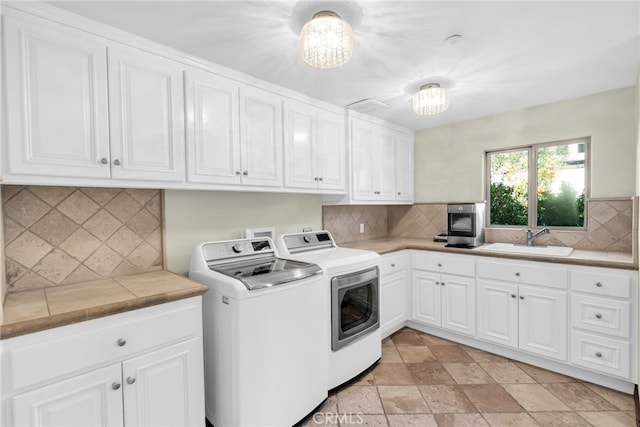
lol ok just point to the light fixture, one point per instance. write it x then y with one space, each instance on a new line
431 99
326 41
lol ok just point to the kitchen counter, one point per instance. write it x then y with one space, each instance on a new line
39 309
577 257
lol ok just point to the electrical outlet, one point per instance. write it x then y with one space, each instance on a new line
361 228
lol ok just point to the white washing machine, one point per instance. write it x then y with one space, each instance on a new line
264 333
352 292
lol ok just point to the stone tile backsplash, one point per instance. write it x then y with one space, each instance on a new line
63 235
611 225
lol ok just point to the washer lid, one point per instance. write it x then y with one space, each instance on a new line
259 273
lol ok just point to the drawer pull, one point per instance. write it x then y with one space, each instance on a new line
439 265
599 284
393 265
518 274
598 354
513 295
598 316
116 386
131 380
122 342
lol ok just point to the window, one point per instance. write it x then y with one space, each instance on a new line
542 185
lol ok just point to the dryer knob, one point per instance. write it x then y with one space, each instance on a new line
237 248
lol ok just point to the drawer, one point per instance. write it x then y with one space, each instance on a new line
394 263
525 273
450 264
598 283
602 315
601 354
55 353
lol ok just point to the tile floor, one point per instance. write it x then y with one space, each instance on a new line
424 381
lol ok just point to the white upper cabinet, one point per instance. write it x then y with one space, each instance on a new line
314 150
213 140
146 116
381 163
404 168
260 137
56 100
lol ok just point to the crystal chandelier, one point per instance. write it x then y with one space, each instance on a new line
326 41
431 99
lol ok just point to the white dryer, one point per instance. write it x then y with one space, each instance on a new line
352 293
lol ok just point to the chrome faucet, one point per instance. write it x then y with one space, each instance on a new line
532 237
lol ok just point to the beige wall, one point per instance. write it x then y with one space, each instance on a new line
192 217
449 159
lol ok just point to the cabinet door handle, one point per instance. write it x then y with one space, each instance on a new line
104 161
116 162
116 385
598 316
131 380
599 284
598 354
513 295
122 342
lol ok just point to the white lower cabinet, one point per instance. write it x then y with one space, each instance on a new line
441 298
604 321
393 292
516 309
143 368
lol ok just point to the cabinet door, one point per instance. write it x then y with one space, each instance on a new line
165 388
543 322
146 108
385 164
363 160
392 300
498 312
93 399
404 168
213 143
458 303
300 145
331 150
260 137
56 100
426 297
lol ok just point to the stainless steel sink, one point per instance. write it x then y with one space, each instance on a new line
559 251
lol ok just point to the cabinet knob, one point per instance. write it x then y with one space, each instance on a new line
439 265
599 284
116 162
315 178
238 173
399 193
393 265
245 173
320 179
122 342
521 296
104 161
116 386
598 354
513 295
442 283
598 316
131 380
518 274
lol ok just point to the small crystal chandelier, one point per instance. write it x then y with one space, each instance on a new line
326 41
431 99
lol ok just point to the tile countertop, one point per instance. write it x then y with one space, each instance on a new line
577 257
39 309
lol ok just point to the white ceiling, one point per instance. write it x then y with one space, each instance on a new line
513 54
